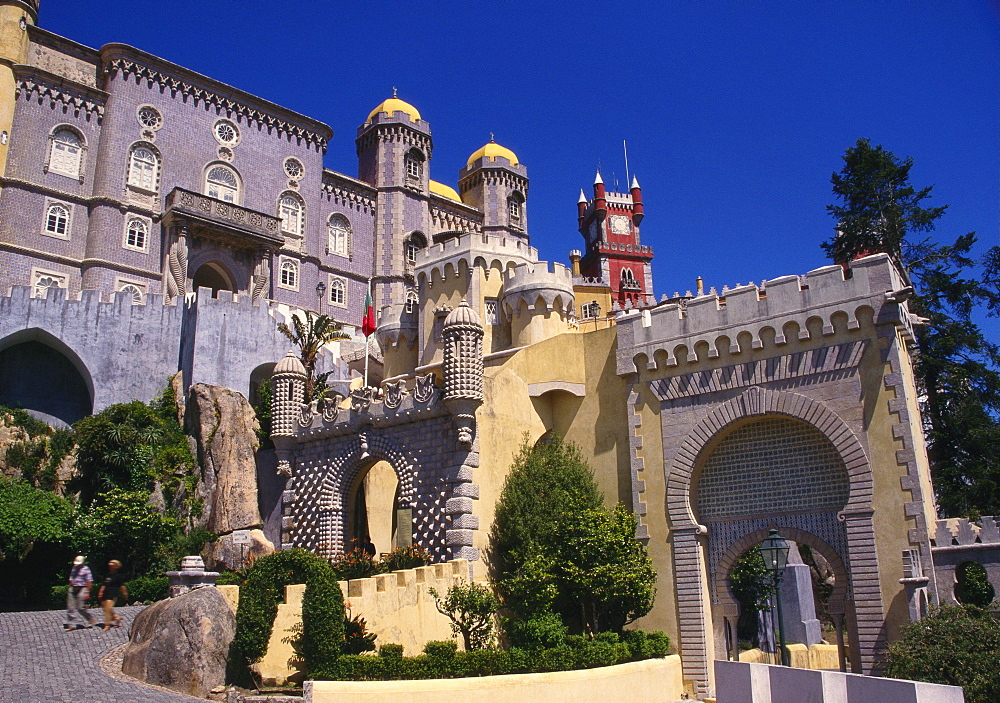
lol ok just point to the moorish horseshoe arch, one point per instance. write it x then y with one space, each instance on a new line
687 534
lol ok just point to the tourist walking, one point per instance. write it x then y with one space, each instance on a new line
114 585
77 596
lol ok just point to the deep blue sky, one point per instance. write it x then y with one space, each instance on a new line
736 113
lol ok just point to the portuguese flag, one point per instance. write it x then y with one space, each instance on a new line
368 324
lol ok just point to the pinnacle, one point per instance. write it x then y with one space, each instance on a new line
635 183
583 198
598 179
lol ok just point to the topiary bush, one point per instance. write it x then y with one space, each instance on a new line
148 589
322 638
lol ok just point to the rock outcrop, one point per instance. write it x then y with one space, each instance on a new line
181 643
224 428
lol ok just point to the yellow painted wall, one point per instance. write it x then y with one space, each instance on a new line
13 50
650 680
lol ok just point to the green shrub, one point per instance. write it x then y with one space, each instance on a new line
405 558
229 578
322 637
357 639
148 589
471 607
441 660
954 645
646 645
542 631
356 564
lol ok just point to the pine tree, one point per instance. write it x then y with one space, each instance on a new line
957 366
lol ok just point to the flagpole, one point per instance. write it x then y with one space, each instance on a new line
367 336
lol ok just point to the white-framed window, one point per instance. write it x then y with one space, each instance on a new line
411 302
222 183
42 280
288 274
57 220
491 308
628 280
143 168
338 230
291 210
294 168
414 162
136 290
338 291
136 233
590 311
226 132
414 243
66 147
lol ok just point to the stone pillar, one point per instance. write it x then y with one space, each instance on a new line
192 575
799 608
177 265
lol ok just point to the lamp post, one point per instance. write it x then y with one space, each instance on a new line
774 551
320 290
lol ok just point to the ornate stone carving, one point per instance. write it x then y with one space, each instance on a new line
361 398
463 368
261 277
424 388
331 407
177 261
394 393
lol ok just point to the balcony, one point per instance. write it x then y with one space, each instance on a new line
215 219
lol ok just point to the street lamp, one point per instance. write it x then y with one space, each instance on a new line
774 551
320 290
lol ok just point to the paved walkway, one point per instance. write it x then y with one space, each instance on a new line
40 663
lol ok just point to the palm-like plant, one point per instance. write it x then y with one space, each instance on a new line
309 335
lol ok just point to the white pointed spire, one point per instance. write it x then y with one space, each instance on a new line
583 198
635 182
598 179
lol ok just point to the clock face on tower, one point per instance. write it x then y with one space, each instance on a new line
619 224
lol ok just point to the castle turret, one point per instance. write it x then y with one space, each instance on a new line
637 209
288 394
538 301
15 16
494 182
462 335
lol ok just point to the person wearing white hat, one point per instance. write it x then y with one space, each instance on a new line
77 595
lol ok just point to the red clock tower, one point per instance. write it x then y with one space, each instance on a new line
614 254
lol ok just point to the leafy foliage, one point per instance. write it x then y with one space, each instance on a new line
310 335
262 408
29 516
322 637
955 645
752 585
441 660
148 589
471 607
357 638
973 585
405 558
37 457
958 368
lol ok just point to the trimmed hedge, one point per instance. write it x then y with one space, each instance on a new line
322 638
441 660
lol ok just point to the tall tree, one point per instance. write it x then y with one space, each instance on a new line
310 333
957 366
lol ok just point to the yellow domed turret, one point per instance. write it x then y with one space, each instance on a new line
443 190
392 105
492 151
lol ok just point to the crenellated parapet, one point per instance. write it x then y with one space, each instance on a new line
466 251
397 326
790 307
550 282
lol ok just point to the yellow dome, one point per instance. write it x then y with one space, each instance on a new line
395 105
443 190
492 151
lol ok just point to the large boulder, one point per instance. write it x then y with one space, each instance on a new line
181 643
224 427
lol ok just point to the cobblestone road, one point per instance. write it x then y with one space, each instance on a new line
39 662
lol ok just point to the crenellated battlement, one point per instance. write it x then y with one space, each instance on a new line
785 307
962 532
469 250
550 281
397 324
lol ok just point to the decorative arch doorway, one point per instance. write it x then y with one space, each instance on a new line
39 373
214 275
766 459
374 510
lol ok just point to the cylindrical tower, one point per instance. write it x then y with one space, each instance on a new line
288 393
463 368
15 16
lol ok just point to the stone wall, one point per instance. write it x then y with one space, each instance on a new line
958 540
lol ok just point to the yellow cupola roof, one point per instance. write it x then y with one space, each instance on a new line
492 150
443 190
392 105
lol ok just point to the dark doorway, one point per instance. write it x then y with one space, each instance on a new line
39 378
214 276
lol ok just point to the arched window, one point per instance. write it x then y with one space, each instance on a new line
134 291
515 209
628 280
338 291
289 275
291 212
66 153
411 301
414 243
414 165
222 183
143 168
136 234
57 221
338 235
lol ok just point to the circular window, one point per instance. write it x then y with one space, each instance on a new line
226 132
149 117
294 168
